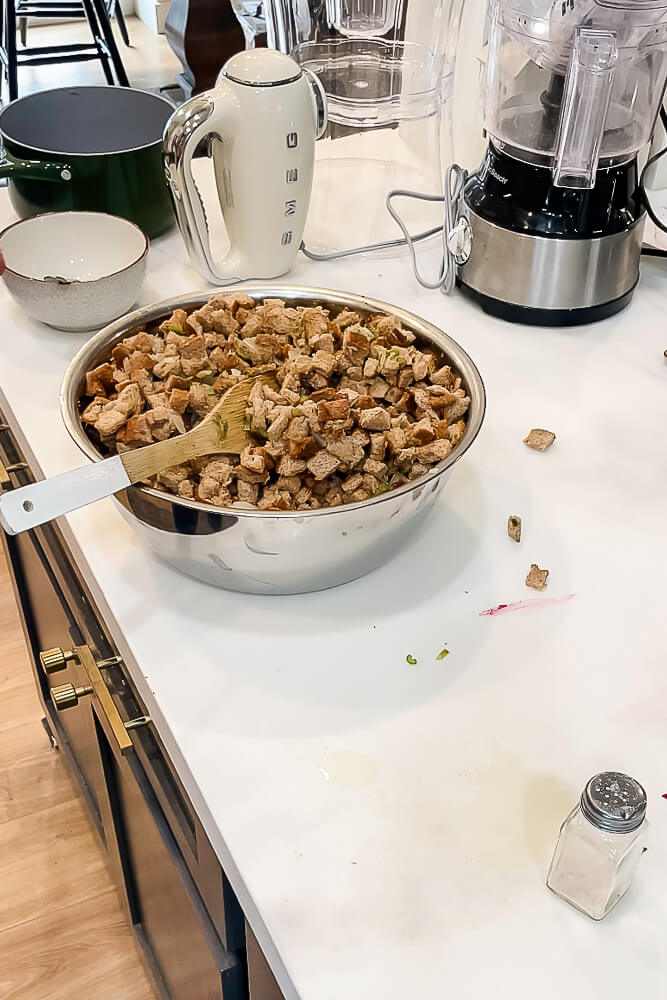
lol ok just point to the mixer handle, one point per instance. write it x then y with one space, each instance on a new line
193 122
319 100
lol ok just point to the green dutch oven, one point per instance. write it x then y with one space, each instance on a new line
95 149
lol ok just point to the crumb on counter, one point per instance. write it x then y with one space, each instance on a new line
514 527
539 439
537 578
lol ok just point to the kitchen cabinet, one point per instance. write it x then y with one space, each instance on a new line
176 896
165 907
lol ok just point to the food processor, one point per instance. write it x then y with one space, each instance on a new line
387 67
551 225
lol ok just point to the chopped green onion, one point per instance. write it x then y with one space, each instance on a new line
410 659
442 654
222 425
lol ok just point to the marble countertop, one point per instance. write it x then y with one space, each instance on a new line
388 827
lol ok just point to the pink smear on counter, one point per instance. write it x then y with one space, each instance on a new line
533 602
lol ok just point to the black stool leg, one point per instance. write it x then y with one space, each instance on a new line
112 48
95 29
117 10
10 47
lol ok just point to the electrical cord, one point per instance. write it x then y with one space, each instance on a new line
369 248
455 179
642 181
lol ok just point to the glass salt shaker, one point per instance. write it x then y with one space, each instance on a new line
600 843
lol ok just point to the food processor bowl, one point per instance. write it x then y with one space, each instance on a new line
574 86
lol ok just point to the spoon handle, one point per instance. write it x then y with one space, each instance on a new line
37 503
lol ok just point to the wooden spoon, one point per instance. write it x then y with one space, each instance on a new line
222 431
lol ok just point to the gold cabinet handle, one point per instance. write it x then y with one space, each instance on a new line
5 480
55 659
66 695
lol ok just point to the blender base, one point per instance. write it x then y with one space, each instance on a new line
546 317
546 255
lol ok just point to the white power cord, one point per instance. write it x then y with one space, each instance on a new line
455 178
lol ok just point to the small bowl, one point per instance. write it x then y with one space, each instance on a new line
74 270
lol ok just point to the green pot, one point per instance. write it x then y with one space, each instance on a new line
93 149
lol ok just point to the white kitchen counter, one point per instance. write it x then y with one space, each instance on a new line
388 827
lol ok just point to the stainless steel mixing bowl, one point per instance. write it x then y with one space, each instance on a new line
282 552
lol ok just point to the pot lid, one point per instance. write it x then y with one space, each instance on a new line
86 120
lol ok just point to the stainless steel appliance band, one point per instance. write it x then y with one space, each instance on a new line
543 272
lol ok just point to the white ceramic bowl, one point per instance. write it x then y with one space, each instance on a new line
74 270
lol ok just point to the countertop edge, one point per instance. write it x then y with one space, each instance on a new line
212 831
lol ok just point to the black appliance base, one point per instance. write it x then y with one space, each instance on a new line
546 317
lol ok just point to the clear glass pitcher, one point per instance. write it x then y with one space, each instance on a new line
387 67
575 84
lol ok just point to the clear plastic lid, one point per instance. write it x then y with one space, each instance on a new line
575 84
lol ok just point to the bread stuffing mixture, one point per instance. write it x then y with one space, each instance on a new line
358 408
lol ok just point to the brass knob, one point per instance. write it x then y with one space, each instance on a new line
67 696
6 469
56 659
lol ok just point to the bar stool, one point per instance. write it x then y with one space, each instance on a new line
113 8
102 47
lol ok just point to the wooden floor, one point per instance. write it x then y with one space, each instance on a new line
63 934
149 62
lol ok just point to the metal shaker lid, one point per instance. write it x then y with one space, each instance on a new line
614 802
